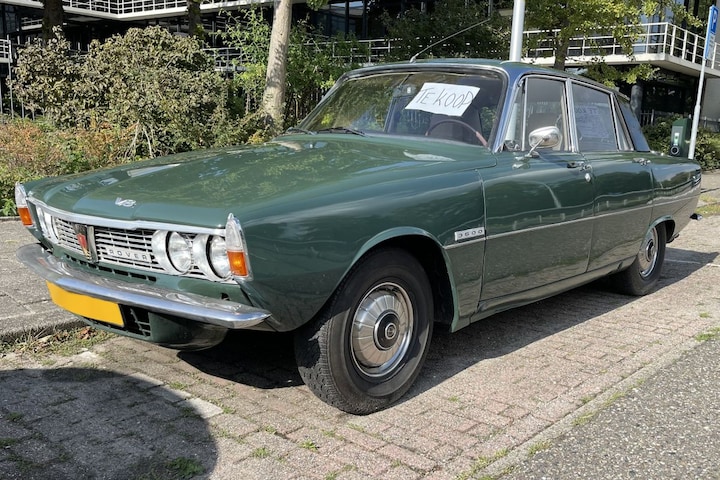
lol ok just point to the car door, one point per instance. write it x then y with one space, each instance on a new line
539 205
622 176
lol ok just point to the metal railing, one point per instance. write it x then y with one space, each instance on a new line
659 38
358 52
5 51
120 8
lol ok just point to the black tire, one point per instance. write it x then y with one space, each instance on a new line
642 276
367 346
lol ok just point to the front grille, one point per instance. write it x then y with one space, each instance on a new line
130 248
115 246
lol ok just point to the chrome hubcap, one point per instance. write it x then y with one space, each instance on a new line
381 330
647 258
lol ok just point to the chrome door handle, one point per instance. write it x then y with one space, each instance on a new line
642 161
580 165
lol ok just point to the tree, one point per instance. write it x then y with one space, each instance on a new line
162 87
52 18
560 22
273 103
310 68
195 26
415 30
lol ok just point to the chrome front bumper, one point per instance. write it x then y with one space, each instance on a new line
195 307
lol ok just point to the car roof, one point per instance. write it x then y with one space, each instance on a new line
512 70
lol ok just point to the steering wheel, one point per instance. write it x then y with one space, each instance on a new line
455 121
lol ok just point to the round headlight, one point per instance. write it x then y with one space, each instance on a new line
218 257
179 250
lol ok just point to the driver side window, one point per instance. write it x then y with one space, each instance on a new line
541 102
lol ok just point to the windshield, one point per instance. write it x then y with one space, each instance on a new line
451 106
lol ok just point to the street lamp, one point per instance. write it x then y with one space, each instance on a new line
516 34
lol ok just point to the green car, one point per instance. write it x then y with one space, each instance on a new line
415 195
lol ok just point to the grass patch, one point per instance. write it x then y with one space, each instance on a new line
711 334
185 467
356 427
310 445
539 447
261 452
709 205
334 475
480 464
14 416
8 442
180 468
64 343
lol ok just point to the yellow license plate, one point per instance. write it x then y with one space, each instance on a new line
99 310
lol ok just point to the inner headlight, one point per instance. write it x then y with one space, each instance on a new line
179 250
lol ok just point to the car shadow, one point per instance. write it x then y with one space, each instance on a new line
266 360
73 422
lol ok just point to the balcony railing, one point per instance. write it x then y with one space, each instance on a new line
656 39
121 7
5 51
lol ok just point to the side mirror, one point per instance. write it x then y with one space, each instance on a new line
544 137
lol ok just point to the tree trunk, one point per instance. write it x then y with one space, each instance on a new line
52 17
273 103
195 28
562 45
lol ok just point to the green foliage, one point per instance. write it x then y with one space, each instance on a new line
45 78
417 30
611 76
707 149
161 86
30 150
313 65
707 143
559 22
658 134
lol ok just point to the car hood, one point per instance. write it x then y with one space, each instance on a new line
200 188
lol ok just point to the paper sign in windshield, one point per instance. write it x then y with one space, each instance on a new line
443 98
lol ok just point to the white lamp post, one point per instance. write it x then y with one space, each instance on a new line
516 35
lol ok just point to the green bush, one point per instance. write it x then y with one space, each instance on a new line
161 86
707 149
707 143
658 134
30 150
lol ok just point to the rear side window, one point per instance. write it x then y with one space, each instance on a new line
633 126
595 128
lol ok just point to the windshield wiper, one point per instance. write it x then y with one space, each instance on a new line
342 130
300 130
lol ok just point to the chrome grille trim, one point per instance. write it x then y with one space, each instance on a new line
132 247
122 224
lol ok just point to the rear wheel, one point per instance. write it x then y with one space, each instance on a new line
366 348
642 276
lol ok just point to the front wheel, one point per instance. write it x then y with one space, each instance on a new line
642 276
367 346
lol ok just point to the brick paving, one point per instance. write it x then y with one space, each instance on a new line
487 396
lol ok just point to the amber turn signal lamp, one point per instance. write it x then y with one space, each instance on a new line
238 265
236 249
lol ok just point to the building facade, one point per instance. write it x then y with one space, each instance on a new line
675 51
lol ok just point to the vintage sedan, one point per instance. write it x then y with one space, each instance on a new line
415 194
